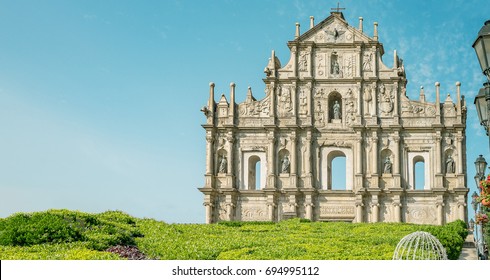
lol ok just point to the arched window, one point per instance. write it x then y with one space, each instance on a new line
419 173
336 169
419 170
337 178
254 173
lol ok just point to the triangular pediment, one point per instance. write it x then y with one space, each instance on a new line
334 29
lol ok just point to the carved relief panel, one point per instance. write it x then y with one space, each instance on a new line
253 108
386 99
285 96
350 107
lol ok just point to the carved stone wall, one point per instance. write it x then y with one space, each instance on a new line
270 159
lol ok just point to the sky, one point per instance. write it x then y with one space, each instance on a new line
100 100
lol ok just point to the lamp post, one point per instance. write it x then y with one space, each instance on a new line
480 167
482 100
482 48
477 231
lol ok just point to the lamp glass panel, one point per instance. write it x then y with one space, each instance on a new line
477 180
482 165
480 53
486 47
480 103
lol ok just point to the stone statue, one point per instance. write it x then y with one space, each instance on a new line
449 164
336 110
285 165
368 97
336 67
223 165
387 166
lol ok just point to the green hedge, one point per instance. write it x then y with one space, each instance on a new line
63 234
98 231
291 239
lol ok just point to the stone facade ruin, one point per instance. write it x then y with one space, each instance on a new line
271 159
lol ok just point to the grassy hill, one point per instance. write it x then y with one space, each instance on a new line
64 234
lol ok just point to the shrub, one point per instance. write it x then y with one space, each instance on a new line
30 229
451 236
99 231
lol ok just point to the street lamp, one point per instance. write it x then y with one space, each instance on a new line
480 166
482 103
472 224
482 100
482 48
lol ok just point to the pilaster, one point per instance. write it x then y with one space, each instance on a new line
272 164
294 160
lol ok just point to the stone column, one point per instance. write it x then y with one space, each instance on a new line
231 158
397 209
461 209
309 207
438 103
309 211
270 208
310 62
375 211
440 212
374 101
294 97
271 168
459 147
229 210
375 154
307 163
309 102
210 119
359 102
295 60
209 153
395 109
396 155
438 152
359 208
359 64
358 154
318 158
272 111
294 165
458 102
209 212
232 102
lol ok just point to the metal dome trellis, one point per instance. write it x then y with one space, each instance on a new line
419 245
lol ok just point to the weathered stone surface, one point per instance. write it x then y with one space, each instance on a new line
271 159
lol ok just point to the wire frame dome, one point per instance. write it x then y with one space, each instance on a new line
419 245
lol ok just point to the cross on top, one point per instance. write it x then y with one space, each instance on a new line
338 9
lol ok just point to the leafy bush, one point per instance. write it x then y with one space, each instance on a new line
66 251
451 236
290 239
99 231
30 229
62 234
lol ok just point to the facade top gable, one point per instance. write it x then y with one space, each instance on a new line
334 29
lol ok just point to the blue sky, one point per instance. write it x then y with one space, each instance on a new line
99 100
